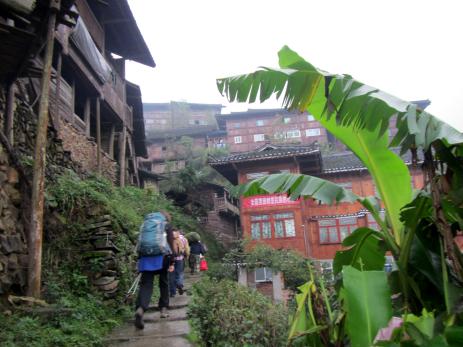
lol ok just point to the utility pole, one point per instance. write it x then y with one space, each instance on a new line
38 182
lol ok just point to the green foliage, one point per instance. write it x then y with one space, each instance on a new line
367 302
73 203
224 313
421 237
87 323
364 251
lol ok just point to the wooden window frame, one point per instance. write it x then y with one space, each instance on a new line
272 221
310 129
337 225
238 137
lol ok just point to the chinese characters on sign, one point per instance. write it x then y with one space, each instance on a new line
268 201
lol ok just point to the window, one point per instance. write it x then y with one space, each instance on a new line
260 122
236 125
282 224
293 133
286 120
261 227
263 274
259 137
150 121
335 230
163 121
310 118
163 148
312 132
254 175
238 139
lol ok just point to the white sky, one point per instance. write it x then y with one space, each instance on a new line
411 49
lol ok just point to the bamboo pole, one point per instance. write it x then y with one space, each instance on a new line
87 117
98 135
38 183
10 113
58 92
122 146
111 141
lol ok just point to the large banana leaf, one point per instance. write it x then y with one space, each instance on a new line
351 102
364 250
356 114
296 185
367 301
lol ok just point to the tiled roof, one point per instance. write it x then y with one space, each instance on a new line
348 161
266 152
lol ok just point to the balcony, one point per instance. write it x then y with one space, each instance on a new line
225 204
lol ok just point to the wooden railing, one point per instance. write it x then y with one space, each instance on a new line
223 204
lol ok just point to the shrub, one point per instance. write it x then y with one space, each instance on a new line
224 313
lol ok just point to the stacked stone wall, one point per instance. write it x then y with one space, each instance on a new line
83 150
13 250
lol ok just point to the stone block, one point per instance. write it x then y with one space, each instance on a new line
3 178
14 194
16 244
13 262
13 176
5 247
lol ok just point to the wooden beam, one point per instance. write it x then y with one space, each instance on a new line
111 141
57 117
87 117
10 113
122 145
34 275
98 135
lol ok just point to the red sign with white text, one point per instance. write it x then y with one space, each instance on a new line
268 201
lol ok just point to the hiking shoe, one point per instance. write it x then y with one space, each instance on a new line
139 324
181 290
164 313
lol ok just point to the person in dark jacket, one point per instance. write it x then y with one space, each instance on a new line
149 266
197 251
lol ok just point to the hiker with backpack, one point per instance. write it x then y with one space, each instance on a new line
182 250
154 248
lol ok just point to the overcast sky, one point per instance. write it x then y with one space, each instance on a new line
411 49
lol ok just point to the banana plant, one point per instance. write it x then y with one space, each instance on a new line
358 115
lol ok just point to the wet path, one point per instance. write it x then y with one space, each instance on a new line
171 331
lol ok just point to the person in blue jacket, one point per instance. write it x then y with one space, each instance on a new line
150 266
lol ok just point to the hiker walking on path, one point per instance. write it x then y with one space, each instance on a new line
154 249
197 251
182 250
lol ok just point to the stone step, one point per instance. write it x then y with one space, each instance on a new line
148 342
179 301
174 315
153 331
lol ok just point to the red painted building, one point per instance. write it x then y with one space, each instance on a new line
312 229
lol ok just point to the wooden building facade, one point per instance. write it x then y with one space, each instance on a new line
314 230
97 114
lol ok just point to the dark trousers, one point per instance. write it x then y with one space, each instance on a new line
176 277
146 288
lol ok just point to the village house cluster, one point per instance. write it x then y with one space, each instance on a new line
262 142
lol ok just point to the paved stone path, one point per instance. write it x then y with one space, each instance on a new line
169 331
